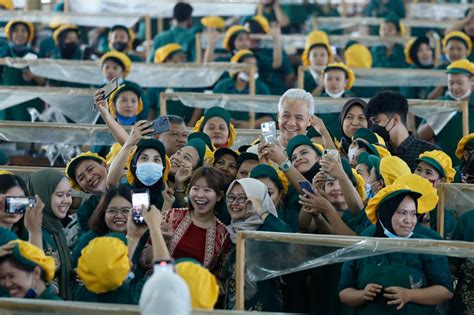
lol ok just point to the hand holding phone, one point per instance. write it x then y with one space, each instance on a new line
304 184
18 205
108 89
269 134
139 197
160 125
335 155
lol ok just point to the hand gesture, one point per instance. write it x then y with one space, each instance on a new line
397 296
272 152
153 217
370 291
183 175
318 124
315 203
135 231
275 30
331 166
6 249
139 131
168 198
101 102
319 180
34 217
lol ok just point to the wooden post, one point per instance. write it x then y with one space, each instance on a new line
160 24
67 6
440 212
163 110
437 56
301 77
260 8
240 273
198 48
343 8
465 118
252 92
148 38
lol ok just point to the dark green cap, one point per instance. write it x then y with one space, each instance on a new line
265 170
311 133
366 134
204 137
433 163
6 236
223 151
298 140
246 156
459 71
375 163
348 170
200 147
216 112
363 158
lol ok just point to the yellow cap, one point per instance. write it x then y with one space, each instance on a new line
343 67
232 134
30 255
238 55
29 25
104 264
429 195
462 66
391 168
231 32
72 164
202 284
113 152
407 49
123 58
458 35
358 56
162 53
263 22
441 162
7 4
316 38
61 29
462 143
118 91
213 22
3 172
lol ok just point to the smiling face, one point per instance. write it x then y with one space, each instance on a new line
427 171
174 139
227 165
404 218
242 41
61 199
245 168
336 197
237 202
19 34
273 191
459 84
216 128
456 50
185 157
304 158
425 54
111 69
8 219
127 104
319 56
91 176
354 120
202 197
388 29
17 282
293 119
335 81
116 214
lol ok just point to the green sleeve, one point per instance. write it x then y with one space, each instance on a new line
85 211
261 88
436 269
309 83
273 224
221 86
349 275
286 66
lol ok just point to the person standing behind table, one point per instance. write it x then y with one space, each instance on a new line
388 112
121 39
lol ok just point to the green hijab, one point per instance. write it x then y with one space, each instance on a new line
43 183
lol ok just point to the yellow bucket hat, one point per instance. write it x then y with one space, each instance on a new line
65 27
7 4
32 256
72 164
391 168
441 162
263 22
358 56
162 53
429 195
213 22
104 264
12 23
121 58
459 36
316 38
216 112
462 66
241 53
233 30
117 92
462 144
201 282
3 172
350 75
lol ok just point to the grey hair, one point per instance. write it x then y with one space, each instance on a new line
297 94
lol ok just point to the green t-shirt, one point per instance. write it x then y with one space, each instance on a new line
274 78
182 36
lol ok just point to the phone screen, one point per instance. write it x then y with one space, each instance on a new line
139 198
269 132
18 205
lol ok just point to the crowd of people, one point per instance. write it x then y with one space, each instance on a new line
371 170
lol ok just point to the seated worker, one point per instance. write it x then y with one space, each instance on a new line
172 53
338 80
459 89
466 26
238 83
464 153
419 55
318 53
180 33
121 39
225 161
19 34
216 122
356 56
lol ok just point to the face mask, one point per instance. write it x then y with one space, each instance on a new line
119 46
382 132
427 63
31 293
368 192
467 94
126 121
391 235
335 95
149 173
352 152
68 50
20 50
244 77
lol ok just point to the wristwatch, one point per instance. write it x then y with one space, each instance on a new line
285 166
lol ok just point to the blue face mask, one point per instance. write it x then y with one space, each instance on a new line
368 192
391 235
149 173
126 121
31 294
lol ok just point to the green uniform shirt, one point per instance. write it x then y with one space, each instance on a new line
182 36
274 78
126 294
46 47
85 211
49 294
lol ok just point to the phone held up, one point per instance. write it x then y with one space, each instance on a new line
108 89
160 125
333 153
18 205
269 134
304 184
139 197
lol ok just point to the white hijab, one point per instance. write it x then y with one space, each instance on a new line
253 188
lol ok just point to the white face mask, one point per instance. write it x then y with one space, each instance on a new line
427 63
352 152
468 93
244 77
335 95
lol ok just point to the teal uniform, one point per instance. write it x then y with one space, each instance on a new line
395 60
224 215
419 230
78 55
309 82
182 36
462 302
289 211
46 47
331 120
377 8
450 221
259 296
11 76
449 137
49 294
85 211
274 78
396 269
227 86
416 92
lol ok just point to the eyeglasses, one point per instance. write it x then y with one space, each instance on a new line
113 212
239 199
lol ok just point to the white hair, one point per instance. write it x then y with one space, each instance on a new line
297 94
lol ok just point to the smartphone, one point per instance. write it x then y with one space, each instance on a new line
304 184
18 205
139 197
335 154
108 89
160 125
163 265
269 133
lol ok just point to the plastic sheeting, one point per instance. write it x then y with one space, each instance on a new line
95 20
327 249
188 75
459 197
437 11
